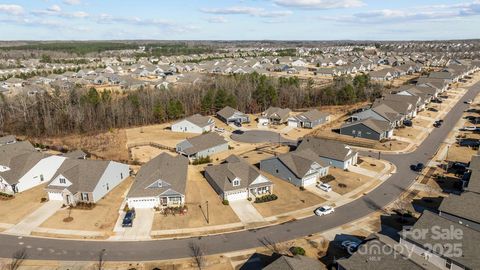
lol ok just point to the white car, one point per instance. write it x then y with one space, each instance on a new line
324 210
469 101
470 128
325 187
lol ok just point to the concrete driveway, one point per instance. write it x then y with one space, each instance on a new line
35 219
140 230
246 212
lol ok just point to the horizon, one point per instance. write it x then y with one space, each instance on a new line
240 20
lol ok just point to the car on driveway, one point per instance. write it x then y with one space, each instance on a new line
325 187
432 109
350 246
128 219
468 101
417 167
324 210
469 142
408 123
469 128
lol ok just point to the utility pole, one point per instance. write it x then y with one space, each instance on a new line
379 154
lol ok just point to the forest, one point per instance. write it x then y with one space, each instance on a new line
78 48
88 110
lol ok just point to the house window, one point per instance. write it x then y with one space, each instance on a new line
236 183
62 181
276 170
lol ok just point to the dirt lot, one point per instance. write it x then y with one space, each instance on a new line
156 133
144 154
13 211
198 192
101 218
109 145
350 179
290 198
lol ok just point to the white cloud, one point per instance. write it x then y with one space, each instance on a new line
217 19
54 8
11 9
72 2
252 11
320 4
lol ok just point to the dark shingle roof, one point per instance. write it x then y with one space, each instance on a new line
457 205
203 142
300 161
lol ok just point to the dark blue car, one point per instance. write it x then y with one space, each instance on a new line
128 219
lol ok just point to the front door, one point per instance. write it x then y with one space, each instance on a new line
68 200
163 201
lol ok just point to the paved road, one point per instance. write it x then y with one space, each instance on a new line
40 248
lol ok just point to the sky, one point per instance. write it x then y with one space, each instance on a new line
239 19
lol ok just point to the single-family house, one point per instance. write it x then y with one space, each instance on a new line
296 262
309 119
274 115
368 128
22 167
86 181
160 182
300 168
235 179
231 115
333 153
202 145
194 124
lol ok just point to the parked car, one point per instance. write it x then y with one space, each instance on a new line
325 187
128 219
407 122
469 142
417 167
324 210
469 128
437 100
219 130
350 246
468 101
432 109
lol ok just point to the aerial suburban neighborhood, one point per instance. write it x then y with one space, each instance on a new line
243 135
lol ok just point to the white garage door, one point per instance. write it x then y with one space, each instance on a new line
55 196
292 123
235 196
310 180
142 202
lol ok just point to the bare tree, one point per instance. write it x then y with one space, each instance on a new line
18 257
270 245
197 254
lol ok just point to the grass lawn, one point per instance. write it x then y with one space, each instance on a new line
13 211
198 191
371 164
101 218
290 198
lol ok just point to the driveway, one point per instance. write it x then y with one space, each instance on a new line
246 212
35 219
140 230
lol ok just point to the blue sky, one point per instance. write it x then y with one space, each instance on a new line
239 19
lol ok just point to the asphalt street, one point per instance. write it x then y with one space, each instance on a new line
78 250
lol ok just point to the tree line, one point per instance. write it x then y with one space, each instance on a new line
88 110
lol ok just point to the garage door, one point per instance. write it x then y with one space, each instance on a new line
292 123
235 196
142 202
55 196
310 180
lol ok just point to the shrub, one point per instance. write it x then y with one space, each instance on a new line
266 198
342 185
297 251
302 188
42 200
126 208
225 202
327 178
5 196
202 160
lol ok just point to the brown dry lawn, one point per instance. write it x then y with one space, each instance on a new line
198 192
460 153
350 179
156 133
393 145
14 210
101 218
290 198
371 164
144 154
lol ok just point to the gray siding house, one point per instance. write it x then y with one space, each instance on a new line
301 168
368 128
231 115
333 153
309 119
203 145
